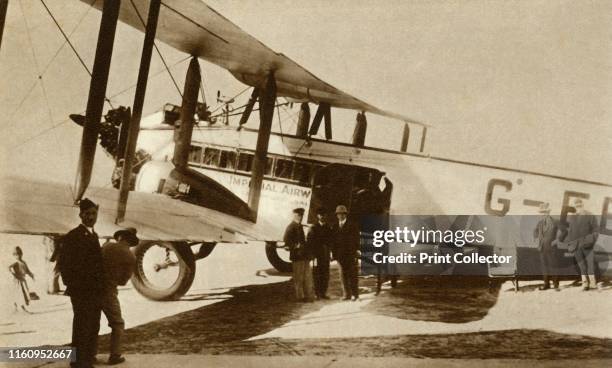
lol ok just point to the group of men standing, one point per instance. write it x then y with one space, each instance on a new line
579 238
91 274
338 240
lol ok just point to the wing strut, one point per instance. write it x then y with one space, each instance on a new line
3 6
267 100
141 87
422 148
303 121
97 91
249 108
182 142
323 111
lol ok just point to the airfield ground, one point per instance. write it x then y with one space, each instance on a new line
239 308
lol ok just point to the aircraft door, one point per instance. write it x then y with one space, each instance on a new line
358 188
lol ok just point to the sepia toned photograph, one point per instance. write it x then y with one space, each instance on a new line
283 183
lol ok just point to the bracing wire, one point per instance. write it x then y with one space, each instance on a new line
40 79
112 96
66 36
44 70
71 45
158 52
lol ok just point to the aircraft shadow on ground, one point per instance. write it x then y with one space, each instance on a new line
253 310
456 299
244 312
248 311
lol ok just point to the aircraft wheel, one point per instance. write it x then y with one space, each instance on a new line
274 252
164 270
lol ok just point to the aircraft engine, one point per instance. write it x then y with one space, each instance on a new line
154 176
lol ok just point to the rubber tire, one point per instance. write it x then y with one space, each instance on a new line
185 277
275 260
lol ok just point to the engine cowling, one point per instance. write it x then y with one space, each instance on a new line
190 186
154 177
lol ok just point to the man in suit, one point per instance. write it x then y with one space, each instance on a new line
346 251
546 232
583 231
300 256
319 240
80 264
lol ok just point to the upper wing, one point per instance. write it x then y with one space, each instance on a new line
195 28
43 208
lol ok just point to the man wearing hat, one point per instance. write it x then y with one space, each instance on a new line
300 256
80 264
345 250
583 230
545 232
319 240
119 265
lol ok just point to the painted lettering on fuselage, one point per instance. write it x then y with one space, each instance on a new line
497 202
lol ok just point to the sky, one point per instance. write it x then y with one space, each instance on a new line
520 84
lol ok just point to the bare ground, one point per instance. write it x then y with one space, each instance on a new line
223 327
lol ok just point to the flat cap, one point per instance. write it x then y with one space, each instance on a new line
85 204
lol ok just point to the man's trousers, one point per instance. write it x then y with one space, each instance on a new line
349 271
85 327
112 310
585 257
321 276
302 280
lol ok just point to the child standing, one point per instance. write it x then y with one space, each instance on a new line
19 270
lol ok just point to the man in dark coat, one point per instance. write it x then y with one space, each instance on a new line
300 256
583 233
81 267
346 251
119 265
320 242
546 232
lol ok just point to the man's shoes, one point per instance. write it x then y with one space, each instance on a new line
545 287
585 288
115 359
355 298
324 297
346 298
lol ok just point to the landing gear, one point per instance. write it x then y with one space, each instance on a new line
278 256
164 270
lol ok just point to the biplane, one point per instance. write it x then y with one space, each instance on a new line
187 190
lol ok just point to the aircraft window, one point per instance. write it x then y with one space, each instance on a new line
302 172
211 156
283 169
195 154
269 166
228 159
245 161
